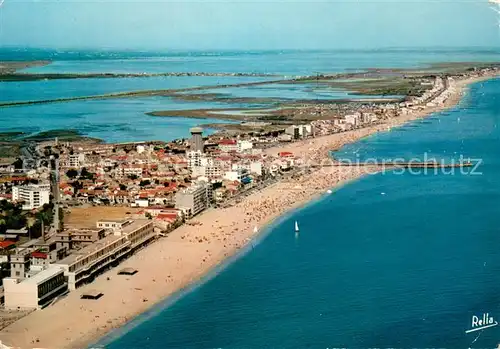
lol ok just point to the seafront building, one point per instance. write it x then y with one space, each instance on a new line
36 255
299 131
84 265
194 199
35 292
110 224
42 270
239 174
73 239
32 196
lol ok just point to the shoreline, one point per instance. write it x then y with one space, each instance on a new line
11 67
213 272
192 253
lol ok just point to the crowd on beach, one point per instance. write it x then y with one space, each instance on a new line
191 251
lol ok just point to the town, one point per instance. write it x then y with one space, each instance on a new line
156 187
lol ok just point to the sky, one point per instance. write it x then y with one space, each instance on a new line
250 24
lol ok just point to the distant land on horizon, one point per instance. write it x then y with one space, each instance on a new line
8 53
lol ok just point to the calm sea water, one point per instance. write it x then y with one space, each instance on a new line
273 62
404 269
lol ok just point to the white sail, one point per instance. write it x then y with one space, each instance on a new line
296 226
255 229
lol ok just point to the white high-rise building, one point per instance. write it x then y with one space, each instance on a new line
194 158
33 195
193 199
75 160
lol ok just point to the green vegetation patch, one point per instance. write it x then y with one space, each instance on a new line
395 86
62 135
10 136
9 151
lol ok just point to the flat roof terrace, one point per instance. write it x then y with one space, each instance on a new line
89 250
44 275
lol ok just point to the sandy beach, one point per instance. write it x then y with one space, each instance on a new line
191 251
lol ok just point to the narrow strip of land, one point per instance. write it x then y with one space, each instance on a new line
142 93
67 76
192 251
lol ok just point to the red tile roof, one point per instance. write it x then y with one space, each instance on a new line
39 255
6 244
19 179
227 142
172 216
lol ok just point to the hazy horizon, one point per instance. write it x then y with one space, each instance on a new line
247 25
256 50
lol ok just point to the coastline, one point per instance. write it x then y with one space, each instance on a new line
191 252
213 272
12 67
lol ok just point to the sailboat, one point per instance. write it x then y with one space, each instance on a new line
255 230
296 227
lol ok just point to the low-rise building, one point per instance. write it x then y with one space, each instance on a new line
20 262
228 145
15 234
209 171
84 265
109 224
131 170
285 137
77 238
237 175
51 248
252 167
293 131
142 202
35 292
243 145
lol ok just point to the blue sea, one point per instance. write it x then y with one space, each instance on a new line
391 260
407 269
